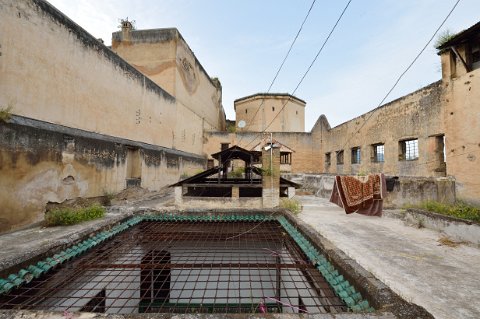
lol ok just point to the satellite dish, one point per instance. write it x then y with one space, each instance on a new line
241 124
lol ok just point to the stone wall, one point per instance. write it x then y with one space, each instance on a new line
42 162
165 57
407 190
462 127
53 70
418 115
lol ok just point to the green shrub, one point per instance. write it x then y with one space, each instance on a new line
291 204
71 216
459 209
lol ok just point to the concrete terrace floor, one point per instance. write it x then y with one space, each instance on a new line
444 280
411 261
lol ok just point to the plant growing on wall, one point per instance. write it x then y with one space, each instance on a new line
125 23
5 113
443 38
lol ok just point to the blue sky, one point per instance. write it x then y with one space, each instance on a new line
243 43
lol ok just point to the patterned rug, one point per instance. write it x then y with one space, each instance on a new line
361 194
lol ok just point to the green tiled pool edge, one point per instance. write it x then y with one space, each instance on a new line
344 290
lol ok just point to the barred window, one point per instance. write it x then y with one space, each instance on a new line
356 155
378 153
409 150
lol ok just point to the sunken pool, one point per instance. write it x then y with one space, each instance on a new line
186 264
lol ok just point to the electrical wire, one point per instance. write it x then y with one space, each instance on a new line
283 62
405 71
308 69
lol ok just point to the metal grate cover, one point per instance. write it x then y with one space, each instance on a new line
185 267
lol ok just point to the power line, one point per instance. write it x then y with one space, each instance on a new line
283 62
308 69
405 71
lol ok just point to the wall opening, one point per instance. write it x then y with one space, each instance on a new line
408 150
96 304
356 155
339 157
328 159
378 155
134 167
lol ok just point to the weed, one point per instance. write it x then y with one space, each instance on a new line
445 241
291 204
237 173
443 38
5 113
421 222
231 128
459 209
109 196
184 176
71 216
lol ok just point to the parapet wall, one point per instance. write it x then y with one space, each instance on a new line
54 71
416 116
406 191
42 162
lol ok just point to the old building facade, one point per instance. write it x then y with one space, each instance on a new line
88 119
85 122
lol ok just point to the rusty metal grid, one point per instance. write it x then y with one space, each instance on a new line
185 267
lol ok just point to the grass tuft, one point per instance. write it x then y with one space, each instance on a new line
293 205
71 216
459 210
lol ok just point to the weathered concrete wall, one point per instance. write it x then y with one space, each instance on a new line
270 113
407 190
453 228
216 202
306 156
462 126
54 71
165 57
41 162
418 115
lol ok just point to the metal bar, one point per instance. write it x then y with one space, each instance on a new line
185 267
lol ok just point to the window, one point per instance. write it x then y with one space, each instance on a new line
210 164
296 112
155 277
246 111
273 108
355 155
97 304
285 158
408 150
328 158
340 157
378 153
